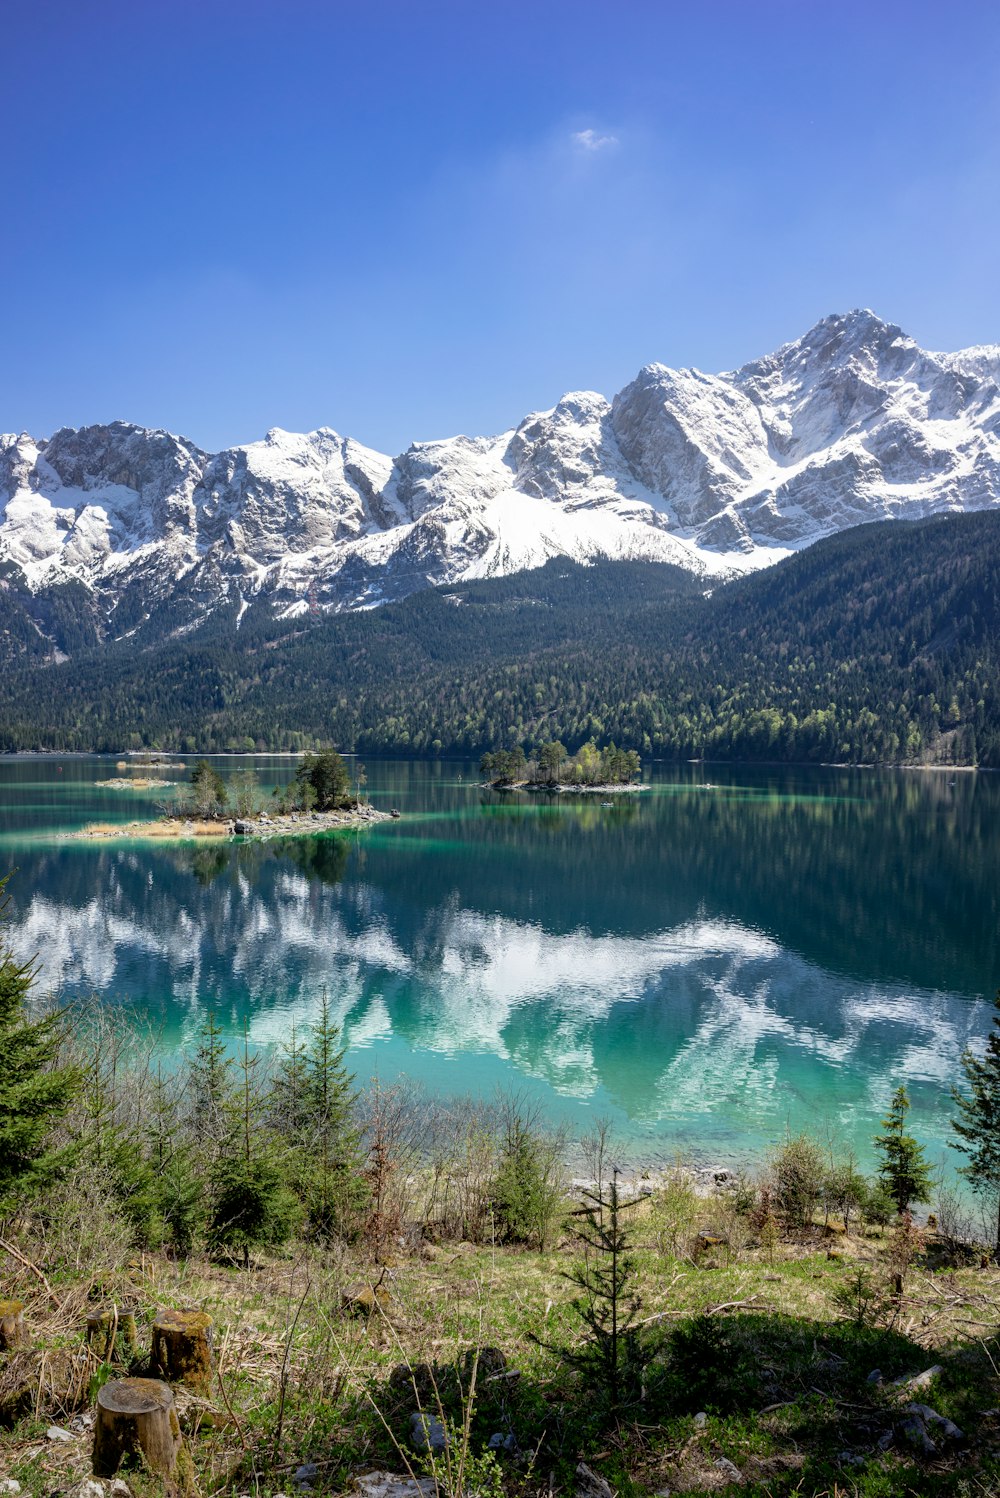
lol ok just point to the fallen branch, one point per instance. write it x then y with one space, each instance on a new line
232 1413
731 1305
9 1249
661 1316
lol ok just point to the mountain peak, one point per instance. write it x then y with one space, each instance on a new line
834 339
719 473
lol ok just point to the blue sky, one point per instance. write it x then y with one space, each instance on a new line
406 220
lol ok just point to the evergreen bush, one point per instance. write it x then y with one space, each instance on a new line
978 1123
904 1171
35 1091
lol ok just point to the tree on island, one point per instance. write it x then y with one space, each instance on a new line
551 766
326 776
978 1123
550 761
34 1091
208 790
904 1170
245 793
504 766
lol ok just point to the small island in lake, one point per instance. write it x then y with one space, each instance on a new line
319 798
553 768
133 783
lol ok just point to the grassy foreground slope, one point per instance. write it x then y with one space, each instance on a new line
760 1384
878 644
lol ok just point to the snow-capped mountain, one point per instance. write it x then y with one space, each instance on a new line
717 473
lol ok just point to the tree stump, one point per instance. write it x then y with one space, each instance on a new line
182 1349
13 1332
111 1330
136 1423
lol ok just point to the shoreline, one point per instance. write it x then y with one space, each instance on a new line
567 789
455 758
256 829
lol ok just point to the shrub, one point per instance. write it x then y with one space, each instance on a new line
253 1207
524 1192
844 1190
863 1300
700 1358
797 1174
674 1212
878 1207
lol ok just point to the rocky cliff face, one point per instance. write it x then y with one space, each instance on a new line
719 473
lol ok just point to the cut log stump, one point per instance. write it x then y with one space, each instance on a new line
111 1332
136 1423
182 1349
13 1332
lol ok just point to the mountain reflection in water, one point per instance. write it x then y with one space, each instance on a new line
707 966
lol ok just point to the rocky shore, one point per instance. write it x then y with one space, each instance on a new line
133 783
261 827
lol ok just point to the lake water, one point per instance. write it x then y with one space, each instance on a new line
706 965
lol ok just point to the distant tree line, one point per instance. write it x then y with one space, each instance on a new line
878 645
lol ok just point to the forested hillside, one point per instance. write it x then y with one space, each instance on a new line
879 644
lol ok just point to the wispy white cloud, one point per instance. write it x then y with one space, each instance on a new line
589 140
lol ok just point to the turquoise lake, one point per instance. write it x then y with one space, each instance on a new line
735 952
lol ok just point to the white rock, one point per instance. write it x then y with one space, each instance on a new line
389 1485
590 1484
918 1380
729 1469
941 1425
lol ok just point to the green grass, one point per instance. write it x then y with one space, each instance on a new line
780 1375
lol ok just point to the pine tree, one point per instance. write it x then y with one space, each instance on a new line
288 1109
207 789
210 1084
524 1193
610 1357
35 1092
904 1170
112 1136
978 1123
177 1192
313 1102
251 1205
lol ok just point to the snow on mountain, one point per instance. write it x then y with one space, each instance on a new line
716 473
